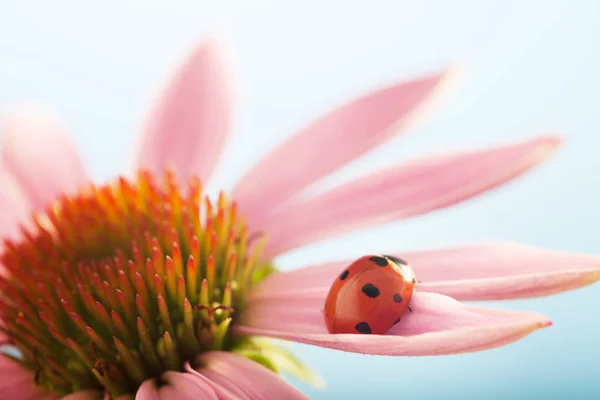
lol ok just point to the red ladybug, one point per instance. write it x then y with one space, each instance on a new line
370 295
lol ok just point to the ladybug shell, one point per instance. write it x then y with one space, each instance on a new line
369 296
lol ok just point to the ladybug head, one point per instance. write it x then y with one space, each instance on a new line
398 261
402 267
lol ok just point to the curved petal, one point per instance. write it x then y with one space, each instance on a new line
497 271
18 383
147 391
222 393
438 325
410 189
188 126
84 395
41 158
14 205
315 279
332 141
185 386
485 271
245 378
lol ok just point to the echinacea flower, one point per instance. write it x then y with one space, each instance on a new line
144 288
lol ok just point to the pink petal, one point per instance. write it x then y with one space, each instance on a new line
244 378
496 271
438 325
411 189
188 126
185 386
487 271
18 383
41 158
178 386
14 205
84 395
315 279
332 141
221 392
147 391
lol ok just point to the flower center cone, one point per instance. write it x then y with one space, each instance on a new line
121 282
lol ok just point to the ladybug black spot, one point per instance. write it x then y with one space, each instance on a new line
363 327
344 275
381 261
370 290
397 298
396 260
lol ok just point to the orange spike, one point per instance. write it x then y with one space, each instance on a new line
171 280
126 304
195 252
177 262
220 227
110 274
125 285
97 283
140 287
102 314
212 248
180 292
110 296
150 272
231 267
57 335
137 256
120 325
158 257
142 310
209 207
159 286
77 320
210 273
207 235
192 279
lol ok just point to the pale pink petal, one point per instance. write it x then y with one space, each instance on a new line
496 271
18 383
244 378
14 205
486 271
332 141
188 126
37 153
316 279
410 189
438 325
222 393
147 391
84 395
178 386
185 386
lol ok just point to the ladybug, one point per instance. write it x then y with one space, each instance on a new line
370 295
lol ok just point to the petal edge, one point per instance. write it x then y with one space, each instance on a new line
189 124
361 124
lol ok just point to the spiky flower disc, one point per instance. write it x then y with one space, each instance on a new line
122 282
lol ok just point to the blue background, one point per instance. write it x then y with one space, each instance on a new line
529 67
